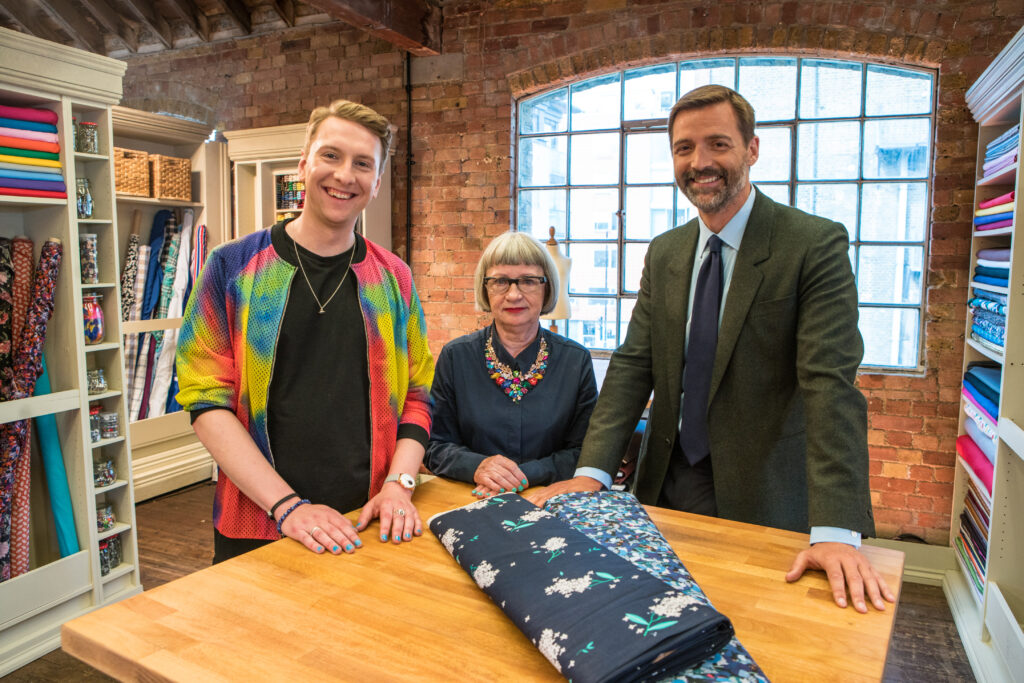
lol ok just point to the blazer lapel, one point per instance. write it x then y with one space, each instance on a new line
746 278
676 302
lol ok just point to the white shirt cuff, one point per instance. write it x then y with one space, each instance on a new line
832 534
594 473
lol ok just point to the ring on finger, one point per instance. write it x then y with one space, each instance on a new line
312 532
400 512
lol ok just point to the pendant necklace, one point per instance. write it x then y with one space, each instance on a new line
310 285
515 383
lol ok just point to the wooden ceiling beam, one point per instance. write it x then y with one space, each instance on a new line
29 21
285 9
194 18
412 25
145 13
111 21
238 13
73 22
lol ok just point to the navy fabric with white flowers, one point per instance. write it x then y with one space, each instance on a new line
594 615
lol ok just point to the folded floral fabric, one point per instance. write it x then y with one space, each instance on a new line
592 614
988 305
1005 223
994 348
29 134
37 165
51 185
1001 199
27 125
28 114
981 419
995 254
18 192
990 333
618 521
991 296
28 153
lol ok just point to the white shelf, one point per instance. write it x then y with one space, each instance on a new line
995 232
990 288
1012 435
107 442
103 346
26 408
152 201
118 483
1002 177
985 351
119 570
119 528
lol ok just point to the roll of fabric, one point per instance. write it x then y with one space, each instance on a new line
619 522
29 144
56 475
131 341
6 312
21 519
28 114
27 125
592 614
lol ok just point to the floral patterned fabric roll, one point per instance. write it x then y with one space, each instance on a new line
6 310
592 614
21 522
131 269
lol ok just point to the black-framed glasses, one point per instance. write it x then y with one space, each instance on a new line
528 284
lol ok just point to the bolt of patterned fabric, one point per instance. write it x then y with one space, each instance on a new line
21 521
128 273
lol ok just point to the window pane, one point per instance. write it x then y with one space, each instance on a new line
540 210
706 72
894 212
835 201
595 159
633 262
648 158
650 92
545 114
769 84
897 91
685 211
779 193
542 161
774 155
595 103
648 212
890 336
828 151
625 315
592 214
890 275
593 322
896 148
829 89
595 268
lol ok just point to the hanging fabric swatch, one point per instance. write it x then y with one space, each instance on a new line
619 522
592 614
131 269
21 507
27 368
131 341
168 344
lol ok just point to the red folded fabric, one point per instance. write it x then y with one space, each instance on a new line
975 459
24 143
28 114
1001 199
18 192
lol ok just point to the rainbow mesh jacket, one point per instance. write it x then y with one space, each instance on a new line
226 351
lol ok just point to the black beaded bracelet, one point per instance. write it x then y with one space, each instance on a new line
289 511
273 508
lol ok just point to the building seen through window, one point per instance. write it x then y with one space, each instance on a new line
847 140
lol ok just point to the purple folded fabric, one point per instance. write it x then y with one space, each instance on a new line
21 183
995 254
1005 223
28 114
1000 161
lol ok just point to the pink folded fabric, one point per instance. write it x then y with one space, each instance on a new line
18 192
28 114
967 395
29 134
23 143
976 460
996 224
1001 199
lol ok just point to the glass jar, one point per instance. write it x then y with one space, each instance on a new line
87 138
92 316
96 380
104 558
105 520
88 257
83 194
110 425
94 422
103 472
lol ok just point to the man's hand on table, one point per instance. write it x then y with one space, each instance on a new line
574 485
846 567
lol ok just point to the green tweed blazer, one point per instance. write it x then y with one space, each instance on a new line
787 426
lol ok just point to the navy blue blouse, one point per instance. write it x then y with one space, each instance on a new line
473 419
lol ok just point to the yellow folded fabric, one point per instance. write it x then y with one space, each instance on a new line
998 208
52 163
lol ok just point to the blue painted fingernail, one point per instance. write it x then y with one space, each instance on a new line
319 548
358 543
383 537
524 482
407 536
501 490
474 492
334 549
348 547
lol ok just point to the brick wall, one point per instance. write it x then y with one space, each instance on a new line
462 128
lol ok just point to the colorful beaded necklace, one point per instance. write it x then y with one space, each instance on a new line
515 383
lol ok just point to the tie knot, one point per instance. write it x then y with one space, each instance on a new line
715 244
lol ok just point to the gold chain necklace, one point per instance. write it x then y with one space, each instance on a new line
310 285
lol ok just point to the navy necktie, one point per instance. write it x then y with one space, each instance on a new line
700 355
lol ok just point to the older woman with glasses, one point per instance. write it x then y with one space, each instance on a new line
511 402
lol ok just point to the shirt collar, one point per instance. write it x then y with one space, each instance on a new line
732 233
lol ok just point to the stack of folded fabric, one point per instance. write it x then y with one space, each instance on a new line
971 542
30 153
987 308
995 213
1001 153
982 385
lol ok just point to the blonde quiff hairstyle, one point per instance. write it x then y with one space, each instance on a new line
516 249
356 113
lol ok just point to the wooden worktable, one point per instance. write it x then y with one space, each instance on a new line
409 612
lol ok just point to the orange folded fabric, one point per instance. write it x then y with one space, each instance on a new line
22 143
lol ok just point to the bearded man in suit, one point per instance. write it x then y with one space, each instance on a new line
755 414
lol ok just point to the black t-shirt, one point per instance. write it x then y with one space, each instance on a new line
318 404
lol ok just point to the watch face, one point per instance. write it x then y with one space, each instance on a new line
407 481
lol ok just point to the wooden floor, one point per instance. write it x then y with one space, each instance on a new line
176 538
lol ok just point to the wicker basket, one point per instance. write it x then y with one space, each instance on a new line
172 177
131 172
